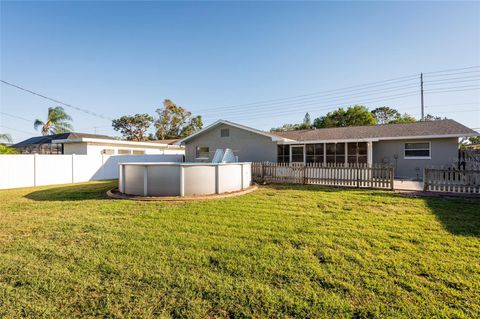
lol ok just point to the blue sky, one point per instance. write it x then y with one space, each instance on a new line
125 58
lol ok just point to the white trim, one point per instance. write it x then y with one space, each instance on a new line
376 139
274 137
115 142
421 149
331 141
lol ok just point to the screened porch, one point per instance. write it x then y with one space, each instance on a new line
345 153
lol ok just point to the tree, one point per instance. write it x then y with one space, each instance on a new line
58 121
354 116
307 123
385 114
4 149
405 118
286 127
430 117
133 128
6 137
473 140
175 121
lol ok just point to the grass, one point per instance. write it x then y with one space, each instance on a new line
282 251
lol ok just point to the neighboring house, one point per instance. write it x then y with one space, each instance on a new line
81 143
410 147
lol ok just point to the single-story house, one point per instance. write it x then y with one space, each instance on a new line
82 143
409 147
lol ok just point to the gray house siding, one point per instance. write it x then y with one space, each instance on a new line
248 146
443 151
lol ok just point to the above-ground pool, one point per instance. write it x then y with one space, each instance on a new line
183 179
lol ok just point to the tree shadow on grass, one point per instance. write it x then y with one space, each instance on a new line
460 216
78 192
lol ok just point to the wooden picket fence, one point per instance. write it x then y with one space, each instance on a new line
352 175
451 180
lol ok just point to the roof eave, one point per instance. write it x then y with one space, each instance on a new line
274 138
108 141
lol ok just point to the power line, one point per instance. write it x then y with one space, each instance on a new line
302 109
329 103
454 73
363 91
360 86
286 104
16 130
267 113
57 101
322 93
16 117
450 70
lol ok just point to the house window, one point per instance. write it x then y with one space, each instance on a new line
125 152
417 150
314 153
108 151
224 132
202 152
283 153
138 152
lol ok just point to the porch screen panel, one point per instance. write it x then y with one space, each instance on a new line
330 152
314 153
340 153
357 152
297 154
362 152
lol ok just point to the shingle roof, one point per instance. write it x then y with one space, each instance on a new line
49 138
415 129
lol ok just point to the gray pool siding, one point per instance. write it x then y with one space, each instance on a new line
248 146
444 151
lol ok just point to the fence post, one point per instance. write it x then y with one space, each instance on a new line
73 165
425 179
263 171
358 175
391 169
304 175
35 169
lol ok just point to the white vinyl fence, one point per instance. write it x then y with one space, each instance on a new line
36 170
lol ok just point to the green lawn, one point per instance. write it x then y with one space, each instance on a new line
281 251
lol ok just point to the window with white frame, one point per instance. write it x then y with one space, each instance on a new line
417 150
202 152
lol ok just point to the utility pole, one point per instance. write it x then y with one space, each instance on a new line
421 96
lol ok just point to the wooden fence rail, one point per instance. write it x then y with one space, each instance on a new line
358 175
451 180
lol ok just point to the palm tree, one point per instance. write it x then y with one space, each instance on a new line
6 137
58 121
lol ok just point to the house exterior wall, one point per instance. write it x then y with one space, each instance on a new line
443 151
248 146
97 148
75 148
